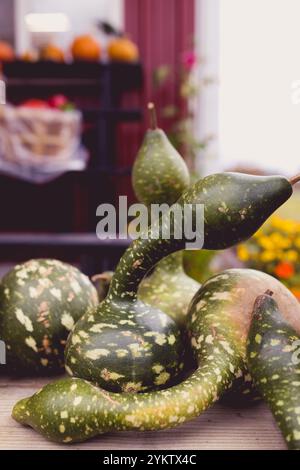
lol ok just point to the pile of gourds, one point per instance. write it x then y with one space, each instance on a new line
158 350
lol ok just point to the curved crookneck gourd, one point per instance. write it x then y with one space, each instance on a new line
273 359
73 410
127 345
160 176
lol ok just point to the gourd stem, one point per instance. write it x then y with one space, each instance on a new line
295 179
153 116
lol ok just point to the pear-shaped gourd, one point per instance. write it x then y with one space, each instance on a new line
110 345
273 360
159 173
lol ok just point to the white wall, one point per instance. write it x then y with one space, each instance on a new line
259 60
207 42
82 13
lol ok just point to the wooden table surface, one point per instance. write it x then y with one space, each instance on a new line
219 428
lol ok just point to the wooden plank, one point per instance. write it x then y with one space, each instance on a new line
219 428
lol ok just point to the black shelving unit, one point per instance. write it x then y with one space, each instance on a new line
97 89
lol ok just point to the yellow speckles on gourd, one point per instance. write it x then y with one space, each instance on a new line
135 349
83 334
31 343
132 387
95 354
62 428
110 375
274 342
75 286
221 296
77 400
67 321
171 339
121 352
173 419
227 347
200 306
24 319
157 368
98 327
64 414
75 339
127 322
275 377
280 403
160 338
296 434
258 338
56 293
209 339
162 378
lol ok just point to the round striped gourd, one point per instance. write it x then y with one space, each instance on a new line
40 301
273 358
73 410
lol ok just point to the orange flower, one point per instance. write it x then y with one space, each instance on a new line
296 292
284 270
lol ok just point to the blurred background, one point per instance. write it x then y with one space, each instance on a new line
225 78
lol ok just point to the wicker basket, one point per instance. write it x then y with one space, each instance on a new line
38 137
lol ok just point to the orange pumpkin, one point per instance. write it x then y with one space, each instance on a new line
52 52
86 48
123 50
29 56
6 52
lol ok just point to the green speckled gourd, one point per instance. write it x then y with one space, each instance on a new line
159 173
73 410
112 345
40 301
169 288
273 359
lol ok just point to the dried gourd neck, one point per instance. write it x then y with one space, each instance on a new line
153 116
295 179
